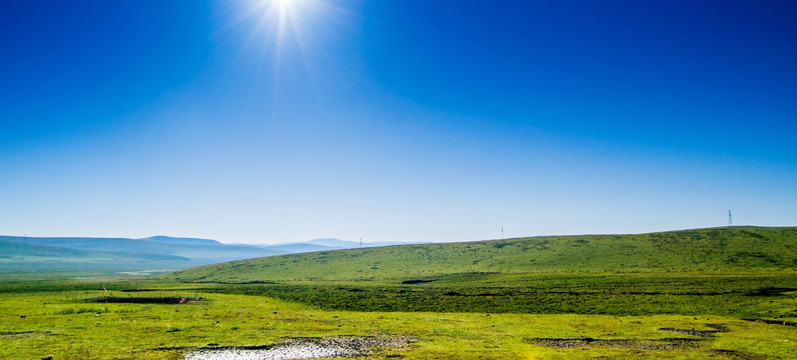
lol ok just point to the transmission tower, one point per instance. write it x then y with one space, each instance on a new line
730 218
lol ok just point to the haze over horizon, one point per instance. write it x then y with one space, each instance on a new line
267 121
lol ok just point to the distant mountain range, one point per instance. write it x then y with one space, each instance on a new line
326 244
79 254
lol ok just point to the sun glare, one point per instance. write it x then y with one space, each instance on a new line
285 5
281 16
287 31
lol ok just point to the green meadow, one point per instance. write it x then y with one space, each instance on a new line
725 293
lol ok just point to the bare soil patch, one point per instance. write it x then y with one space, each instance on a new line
738 355
415 282
774 322
175 300
647 344
699 333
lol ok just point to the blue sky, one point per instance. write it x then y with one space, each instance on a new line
395 120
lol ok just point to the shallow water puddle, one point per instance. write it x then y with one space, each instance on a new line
304 349
296 351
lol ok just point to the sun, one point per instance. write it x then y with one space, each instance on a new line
284 33
285 5
288 18
280 14
288 22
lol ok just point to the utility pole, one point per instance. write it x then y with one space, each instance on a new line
730 219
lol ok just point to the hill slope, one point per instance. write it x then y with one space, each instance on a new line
716 250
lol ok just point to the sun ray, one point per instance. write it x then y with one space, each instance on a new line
285 36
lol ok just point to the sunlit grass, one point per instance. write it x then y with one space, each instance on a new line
36 325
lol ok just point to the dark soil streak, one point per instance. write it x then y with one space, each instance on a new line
141 300
415 282
648 344
773 322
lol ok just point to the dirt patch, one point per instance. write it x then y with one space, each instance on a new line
415 282
252 282
647 344
23 334
718 327
699 333
454 293
739 355
306 348
141 300
770 291
152 290
773 322
712 275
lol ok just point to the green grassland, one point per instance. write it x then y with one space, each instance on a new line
65 325
728 293
746 250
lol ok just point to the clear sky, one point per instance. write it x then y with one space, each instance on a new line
395 120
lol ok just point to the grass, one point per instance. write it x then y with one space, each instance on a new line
36 325
737 250
485 300
749 297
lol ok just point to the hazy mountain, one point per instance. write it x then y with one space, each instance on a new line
336 243
325 244
158 252
155 252
296 248
26 257
16 250
344 244
176 240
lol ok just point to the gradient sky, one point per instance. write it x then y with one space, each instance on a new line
395 120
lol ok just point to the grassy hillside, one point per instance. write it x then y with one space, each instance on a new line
715 251
574 297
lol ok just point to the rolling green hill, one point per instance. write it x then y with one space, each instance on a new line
745 250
